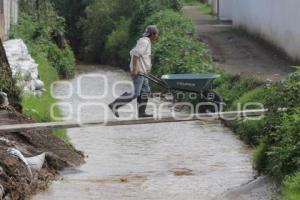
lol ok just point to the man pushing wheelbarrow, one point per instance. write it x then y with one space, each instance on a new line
140 65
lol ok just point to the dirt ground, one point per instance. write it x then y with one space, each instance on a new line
15 180
238 52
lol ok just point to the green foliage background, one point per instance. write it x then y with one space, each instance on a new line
8 84
35 28
37 33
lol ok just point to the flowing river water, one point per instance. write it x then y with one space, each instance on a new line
168 161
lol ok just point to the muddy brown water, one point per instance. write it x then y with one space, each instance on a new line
186 160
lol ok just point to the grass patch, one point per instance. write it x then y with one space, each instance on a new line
251 99
204 8
291 188
36 29
232 87
39 107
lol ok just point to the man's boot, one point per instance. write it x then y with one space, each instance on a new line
142 105
119 102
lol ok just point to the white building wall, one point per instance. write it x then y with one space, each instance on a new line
226 9
275 20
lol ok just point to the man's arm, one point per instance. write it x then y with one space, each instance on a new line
134 66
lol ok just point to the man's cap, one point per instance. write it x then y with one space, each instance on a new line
150 30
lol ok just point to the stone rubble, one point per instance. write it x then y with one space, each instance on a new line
23 66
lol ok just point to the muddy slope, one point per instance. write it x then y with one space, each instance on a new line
15 180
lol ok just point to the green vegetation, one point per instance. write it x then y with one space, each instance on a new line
200 4
37 34
100 27
282 130
177 50
39 107
72 11
192 2
8 84
257 95
277 135
291 188
36 30
98 24
232 87
116 48
62 59
205 9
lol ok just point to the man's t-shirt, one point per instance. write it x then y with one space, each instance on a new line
143 51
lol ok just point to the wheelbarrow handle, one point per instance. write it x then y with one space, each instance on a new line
156 80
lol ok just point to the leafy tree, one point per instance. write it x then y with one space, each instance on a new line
37 28
97 25
73 11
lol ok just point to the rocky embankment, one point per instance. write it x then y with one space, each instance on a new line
23 66
19 179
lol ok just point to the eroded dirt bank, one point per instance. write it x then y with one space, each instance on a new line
15 179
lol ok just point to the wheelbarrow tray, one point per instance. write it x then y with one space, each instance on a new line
189 82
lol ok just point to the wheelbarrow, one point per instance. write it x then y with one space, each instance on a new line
200 84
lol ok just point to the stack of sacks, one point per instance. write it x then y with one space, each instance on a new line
23 66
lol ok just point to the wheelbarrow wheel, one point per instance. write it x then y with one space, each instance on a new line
211 102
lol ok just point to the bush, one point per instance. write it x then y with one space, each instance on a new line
8 84
101 34
72 11
172 22
251 130
291 188
116 48
146 9
62 60
258 95
282 128
177 50
25 29
279 132
260 158
280 154
37 32
97 25
36 29
283 153
285 94
39 107
192 2
232 87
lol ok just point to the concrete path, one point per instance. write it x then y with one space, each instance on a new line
237 52
261 188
